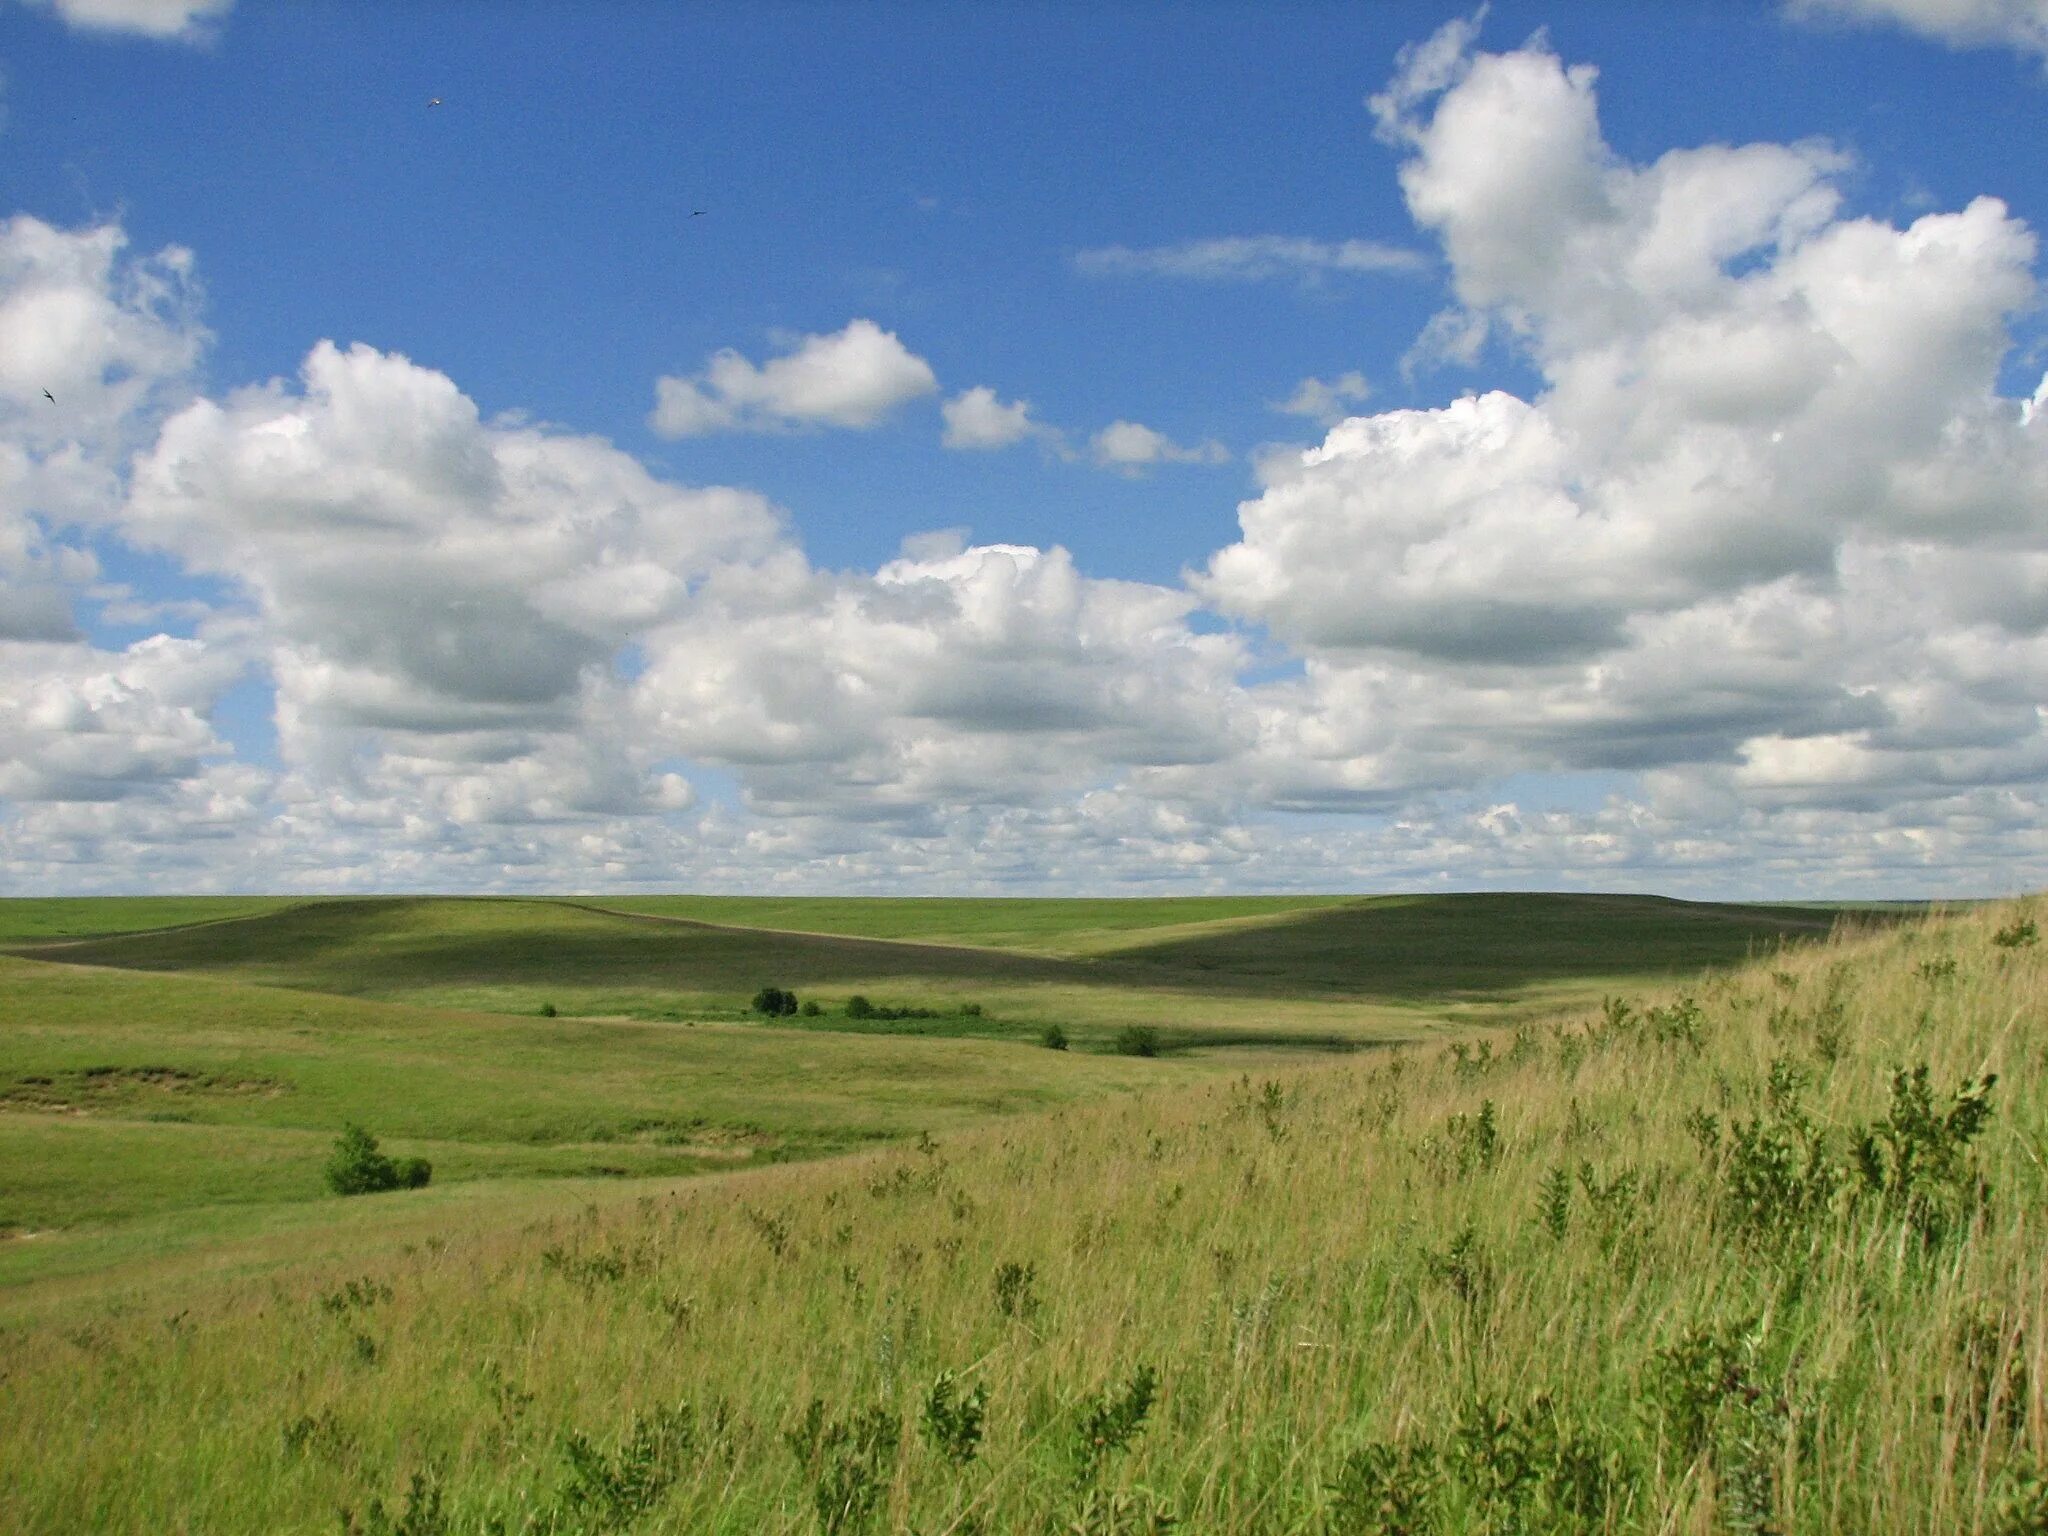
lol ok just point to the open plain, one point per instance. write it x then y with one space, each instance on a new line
1645 1216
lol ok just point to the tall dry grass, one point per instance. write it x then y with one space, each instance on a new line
1627 1273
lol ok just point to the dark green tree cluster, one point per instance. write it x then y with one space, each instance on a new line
776 1002
358 1168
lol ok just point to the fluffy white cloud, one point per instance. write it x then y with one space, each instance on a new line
1769 523
1132 447
80 724
2021 24
852 378
989 675
90 338
1765 550
175 20
1250 258
1326 401
975 418
435 589
94 346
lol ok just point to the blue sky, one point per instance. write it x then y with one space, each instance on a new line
1263 661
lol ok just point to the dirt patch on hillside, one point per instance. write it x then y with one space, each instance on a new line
81 1090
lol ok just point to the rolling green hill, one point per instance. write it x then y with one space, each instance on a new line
126 1097
1761 1253
1306 965
27 919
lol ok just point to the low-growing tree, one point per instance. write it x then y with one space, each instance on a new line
1137 1040
775 1002
358 1168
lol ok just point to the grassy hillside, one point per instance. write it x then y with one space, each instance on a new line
1309 971
1718 1262
28 919
1063 926
128 1098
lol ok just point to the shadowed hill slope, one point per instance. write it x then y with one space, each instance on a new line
1401 949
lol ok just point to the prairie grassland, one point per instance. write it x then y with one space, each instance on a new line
1061 926
128 1098
1291 970
30 919
1725 1261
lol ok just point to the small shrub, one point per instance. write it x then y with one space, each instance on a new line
1475 1139
610 1490
1109 1421
848 1462
547 1010
2022 1507
1682 1023
1779 1179
970 1010
1015 1287
1917 1160
353 1296
1554 1204
771 1226
423 1514
1704 1127
951 1424
775 1002
1386 1487
1053 1038
858 1007
1140 1512
1463 1266
358 1168
1137 1040
2020 934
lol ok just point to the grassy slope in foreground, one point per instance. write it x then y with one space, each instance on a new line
1622 1276
126 1098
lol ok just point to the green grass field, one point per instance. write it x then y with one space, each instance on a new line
1301 967
1709 1259
26 919
175 1089
126 1096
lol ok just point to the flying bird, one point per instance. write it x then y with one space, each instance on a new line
434 101
698 213
49 397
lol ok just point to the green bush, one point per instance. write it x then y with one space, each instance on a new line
1053 1038
358 1168
858 1007
776 1002
1137 1040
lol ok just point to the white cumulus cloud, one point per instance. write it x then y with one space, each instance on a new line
432 587
2020 24
1768 526
1132 447
852 378
948 678
976 419
171 20
1249 258
1326 401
